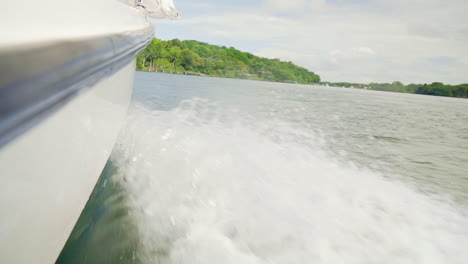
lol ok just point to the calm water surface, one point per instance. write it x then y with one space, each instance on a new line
212 170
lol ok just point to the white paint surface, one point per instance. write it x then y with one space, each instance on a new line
26 22
48 173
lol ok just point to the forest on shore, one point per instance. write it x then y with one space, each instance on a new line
436 88
198 58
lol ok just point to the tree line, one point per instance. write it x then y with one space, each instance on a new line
437 88
198 58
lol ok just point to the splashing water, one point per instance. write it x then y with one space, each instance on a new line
208 184
271 173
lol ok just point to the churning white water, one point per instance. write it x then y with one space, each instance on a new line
210 185
263 173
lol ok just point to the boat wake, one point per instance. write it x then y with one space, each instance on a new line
208 184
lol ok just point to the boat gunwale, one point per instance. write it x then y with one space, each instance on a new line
38 79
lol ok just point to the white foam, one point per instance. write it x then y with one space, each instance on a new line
213 186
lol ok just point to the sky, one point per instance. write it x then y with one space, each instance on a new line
412 41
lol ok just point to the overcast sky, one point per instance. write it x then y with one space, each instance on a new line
418 41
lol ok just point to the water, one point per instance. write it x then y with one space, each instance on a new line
216 171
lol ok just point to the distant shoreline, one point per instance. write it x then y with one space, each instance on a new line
435 89
231 78
190 57
323 84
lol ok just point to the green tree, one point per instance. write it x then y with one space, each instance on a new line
190 55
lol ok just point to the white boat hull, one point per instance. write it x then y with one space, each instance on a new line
49 172
66 76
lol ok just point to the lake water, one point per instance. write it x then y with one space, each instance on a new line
212 171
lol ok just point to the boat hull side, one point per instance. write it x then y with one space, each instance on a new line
50 170
56 72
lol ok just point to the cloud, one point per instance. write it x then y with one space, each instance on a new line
282 6
341 40
444 60
352 55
